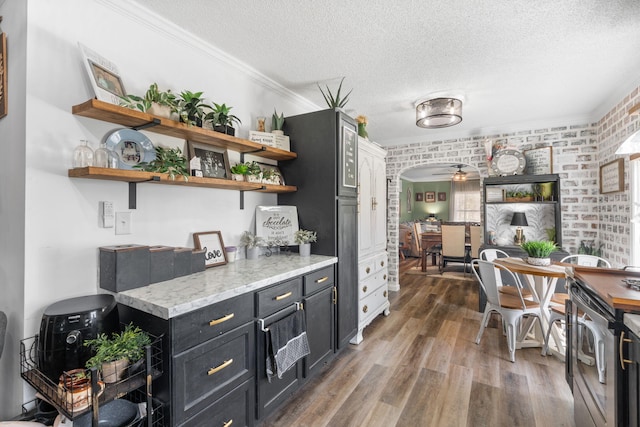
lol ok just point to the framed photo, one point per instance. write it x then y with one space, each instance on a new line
494 195
103 75
612 177
277 223
419 197
4 105
429 196
442 196
214 161
273 172
539 161
213 246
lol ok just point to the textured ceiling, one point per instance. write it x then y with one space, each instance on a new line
518 64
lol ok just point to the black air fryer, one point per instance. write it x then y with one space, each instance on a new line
66 325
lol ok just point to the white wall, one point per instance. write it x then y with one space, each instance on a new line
61 233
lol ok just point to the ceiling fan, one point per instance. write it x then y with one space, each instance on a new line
458 175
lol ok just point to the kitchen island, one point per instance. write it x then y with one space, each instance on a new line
214 326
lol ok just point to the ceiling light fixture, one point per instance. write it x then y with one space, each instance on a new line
459 175
438 113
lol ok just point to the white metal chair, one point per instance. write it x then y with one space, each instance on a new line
453 246
493 254
586 260
512 308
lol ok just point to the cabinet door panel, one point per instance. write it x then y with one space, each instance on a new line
347 316
319 311
235 408
365 203
379 232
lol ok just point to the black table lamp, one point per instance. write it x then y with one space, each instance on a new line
520 220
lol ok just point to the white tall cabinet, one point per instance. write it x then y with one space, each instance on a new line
372 235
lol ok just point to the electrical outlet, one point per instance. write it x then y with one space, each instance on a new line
123 222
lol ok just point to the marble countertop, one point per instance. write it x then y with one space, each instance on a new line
632 321
184 294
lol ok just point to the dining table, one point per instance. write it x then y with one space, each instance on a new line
541 281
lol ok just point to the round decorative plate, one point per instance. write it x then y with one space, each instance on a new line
131 146
508 162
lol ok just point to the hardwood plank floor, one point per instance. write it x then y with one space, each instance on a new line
421 367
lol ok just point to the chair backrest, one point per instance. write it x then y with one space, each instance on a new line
587 260
475 232
487 272
491 254
453 238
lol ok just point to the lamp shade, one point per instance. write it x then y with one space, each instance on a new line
519 219
438 113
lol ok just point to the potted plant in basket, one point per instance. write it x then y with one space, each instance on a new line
239 171
252 243
113 354
277 122
222 119
538 251
169 161
304 238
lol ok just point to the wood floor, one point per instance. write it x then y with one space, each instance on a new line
421 367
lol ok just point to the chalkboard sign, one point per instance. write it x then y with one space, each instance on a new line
349 166
539 161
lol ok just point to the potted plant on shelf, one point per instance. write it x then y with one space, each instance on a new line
252 243
239 171
304 238
277 122
254 172
335 102
156 102
271 176
221 119
169 161
192 108
362 126
538 251
113 355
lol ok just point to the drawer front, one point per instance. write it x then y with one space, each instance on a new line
209 322
318 280
372 283
235 409
366 268
278 297
368 305
210 370
381 261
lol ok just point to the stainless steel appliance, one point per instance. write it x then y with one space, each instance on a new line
66 325
591 363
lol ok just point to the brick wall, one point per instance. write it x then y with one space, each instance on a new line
578 151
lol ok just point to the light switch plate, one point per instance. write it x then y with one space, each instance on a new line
123 222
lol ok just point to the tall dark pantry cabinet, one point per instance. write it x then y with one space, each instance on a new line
325 173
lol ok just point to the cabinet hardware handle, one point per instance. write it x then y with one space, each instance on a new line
384 294
374 203
368 270
365 309
283 296
335 295
220 367
324 279
228 423
215 322
622 359
384 277
364 289
381 263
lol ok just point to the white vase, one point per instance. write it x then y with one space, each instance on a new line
252 253
254 178
305 249
540 262
237 177
159 110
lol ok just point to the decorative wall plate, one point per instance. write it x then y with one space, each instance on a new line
508 162
131 146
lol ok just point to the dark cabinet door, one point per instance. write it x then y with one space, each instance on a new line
319 310
347 286
633 381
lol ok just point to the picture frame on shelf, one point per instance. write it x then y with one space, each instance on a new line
419 197
493 195
539 161
214 161
442 196
4 104
103 76
213 246
429 196
267 167
612 177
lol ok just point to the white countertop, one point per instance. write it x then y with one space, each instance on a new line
184 294
632 321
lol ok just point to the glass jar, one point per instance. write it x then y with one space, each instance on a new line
101 156
83 155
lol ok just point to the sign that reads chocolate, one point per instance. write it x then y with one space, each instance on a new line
277 223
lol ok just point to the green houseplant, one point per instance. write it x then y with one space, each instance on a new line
113 354
169 161
277 122
156 102
252 243
254 172
538 251
239 171
271 176
192 108
221 119
335 102
304 238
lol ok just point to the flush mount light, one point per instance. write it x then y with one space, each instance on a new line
438 113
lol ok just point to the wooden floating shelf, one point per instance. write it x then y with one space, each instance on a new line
136 176
107 112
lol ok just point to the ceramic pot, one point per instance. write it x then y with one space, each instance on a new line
362 130
237 177
113 372
254 178
305 249
252 253
228 130
159 110
540 262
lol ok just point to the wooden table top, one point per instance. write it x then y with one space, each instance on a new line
608 284
518 265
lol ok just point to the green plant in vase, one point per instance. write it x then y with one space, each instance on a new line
254 172
222 120
335 102
362 126
239 171
163 103
192 108
538 251
277 122
169 161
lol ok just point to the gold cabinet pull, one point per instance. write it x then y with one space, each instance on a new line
384 277
368 270
324 279
381 263
335 295
622 359
215 322
283 296
384 294
228 423
364 288
365 309
220 367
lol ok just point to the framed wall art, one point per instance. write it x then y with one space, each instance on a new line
442 196
103 75
213 246
539 161
419 197
277 223
214 161
429 196
612 177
